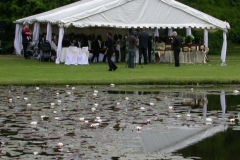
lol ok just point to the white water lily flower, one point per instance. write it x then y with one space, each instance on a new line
18 97
67 86
52 104
98 120
151 104
25 98
93 109
95 91
192 89
142 108
35 153
59 144
10 100
73 88
37 88
170 107
209 119
112 85
179 116
118 103
138 128
126 98
86 121
148 120
94 94
94 125
96 104
232 120
56 118
81 119
188 115
236 91
28 105
59 101
68 92
33 122
43 116
54 112
57 93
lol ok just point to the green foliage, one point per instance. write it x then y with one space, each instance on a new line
11 10
225 10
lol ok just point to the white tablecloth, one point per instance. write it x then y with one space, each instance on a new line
185 57
73 55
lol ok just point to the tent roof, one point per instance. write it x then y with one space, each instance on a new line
128 14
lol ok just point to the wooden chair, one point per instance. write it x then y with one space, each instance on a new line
160 51
169 52
193 53
186 52
205 58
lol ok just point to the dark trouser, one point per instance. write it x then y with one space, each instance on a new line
176 57
143 51
117 55
25 54
131 56
104 58
95 54
149 54
123 55
112 66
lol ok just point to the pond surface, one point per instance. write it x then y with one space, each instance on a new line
104 122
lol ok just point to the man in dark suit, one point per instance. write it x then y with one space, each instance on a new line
109 52
98 47
143 45
177 42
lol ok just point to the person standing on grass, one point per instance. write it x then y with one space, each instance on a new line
26 38
143 45
109 52
177 41
132 42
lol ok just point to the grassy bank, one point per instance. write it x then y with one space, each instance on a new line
17 71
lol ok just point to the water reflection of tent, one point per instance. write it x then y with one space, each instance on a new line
177 138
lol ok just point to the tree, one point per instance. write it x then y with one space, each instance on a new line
11 10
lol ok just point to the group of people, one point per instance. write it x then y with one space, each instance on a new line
96 45
140 41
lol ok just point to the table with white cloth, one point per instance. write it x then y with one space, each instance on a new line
73 55
185 57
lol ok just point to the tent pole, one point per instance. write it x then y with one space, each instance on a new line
224 49
49 32
205 37
36 31
59 47
18 39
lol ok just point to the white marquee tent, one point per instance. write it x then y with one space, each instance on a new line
152 14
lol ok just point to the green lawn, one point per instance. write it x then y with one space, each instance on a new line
15 70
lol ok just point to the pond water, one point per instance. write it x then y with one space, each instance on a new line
115 122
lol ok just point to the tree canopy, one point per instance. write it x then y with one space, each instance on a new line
226 10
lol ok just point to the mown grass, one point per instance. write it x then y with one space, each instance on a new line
15 70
